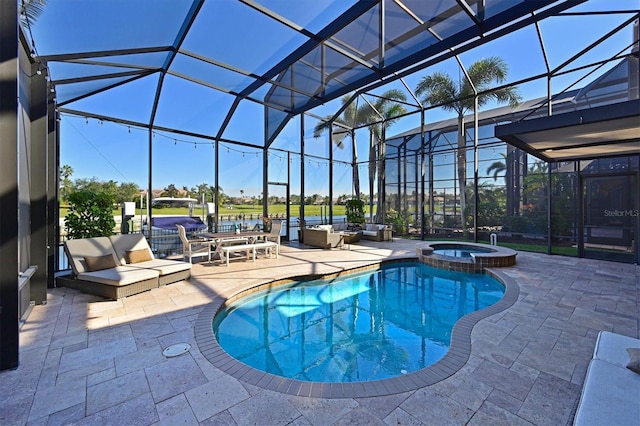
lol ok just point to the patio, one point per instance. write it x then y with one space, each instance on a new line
88 361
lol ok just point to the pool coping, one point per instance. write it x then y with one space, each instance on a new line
455 358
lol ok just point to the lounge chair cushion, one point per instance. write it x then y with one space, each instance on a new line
124 243
610 347
98 263
133 250
78 249
609 396
610 391
137 256
163 266
119 275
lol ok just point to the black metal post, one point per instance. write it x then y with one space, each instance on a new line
37 153
9 185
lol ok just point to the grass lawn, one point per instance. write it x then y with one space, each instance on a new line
246 209
561 250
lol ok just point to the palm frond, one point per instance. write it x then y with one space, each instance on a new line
322 125
30 11
487 71
439 89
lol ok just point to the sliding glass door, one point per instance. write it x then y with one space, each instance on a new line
610 218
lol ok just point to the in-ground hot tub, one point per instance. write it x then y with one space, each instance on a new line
463 256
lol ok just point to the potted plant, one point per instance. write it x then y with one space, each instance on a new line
354 210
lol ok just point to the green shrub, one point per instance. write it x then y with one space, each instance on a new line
90 214
399 220
354 210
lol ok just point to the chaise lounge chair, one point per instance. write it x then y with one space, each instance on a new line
97 270
134 251
119 266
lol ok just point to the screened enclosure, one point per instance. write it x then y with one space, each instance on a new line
298 109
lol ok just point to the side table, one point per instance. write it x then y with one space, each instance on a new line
350 237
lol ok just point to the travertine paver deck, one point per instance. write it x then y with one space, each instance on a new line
89 361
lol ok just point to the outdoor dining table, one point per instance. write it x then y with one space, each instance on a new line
222 239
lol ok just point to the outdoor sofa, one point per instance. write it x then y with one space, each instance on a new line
611 390
322 236
377 232
118 266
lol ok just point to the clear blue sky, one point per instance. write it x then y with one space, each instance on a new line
110 151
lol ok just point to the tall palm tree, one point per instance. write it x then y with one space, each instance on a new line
349 119
498 167
381 115
440 89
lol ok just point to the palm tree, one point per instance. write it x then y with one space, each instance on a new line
440 89
349 119
217 190
381 113
498 167
65 181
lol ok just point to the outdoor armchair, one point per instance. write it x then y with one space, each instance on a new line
199 247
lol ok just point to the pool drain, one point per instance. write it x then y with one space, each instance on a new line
176 350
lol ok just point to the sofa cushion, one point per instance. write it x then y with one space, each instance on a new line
137 256
339 227
611 347
634 361
98 263
325 227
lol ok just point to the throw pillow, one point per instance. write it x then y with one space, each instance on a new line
98 263
634 362
136 256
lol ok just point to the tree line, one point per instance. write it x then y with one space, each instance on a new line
128 191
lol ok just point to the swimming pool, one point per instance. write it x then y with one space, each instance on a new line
367 326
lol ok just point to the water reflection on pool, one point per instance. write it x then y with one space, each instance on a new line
365 326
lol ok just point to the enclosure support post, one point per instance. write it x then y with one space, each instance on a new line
422 176
549 206
330 174
476 196
9 185
301 171
36 151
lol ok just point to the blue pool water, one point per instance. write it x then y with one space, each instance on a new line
463 252
366 326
